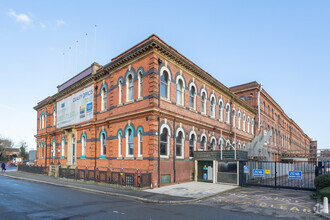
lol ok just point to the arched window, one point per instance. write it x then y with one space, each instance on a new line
203 103
164 85
192 97
130 142
239 120
213 144
228 113
140 79
103 145
83 145
192 145
212 106
179 145
234 117
40 122
63 146
120 145
244 121
164 142
54 117
220 143
248 124
140 145
130 88
120 87
203 143
221 110
239 146
228 145
103 99
179 92
43 121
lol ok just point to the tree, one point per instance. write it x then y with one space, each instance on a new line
5 143
23 150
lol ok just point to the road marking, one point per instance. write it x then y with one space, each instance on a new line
294 209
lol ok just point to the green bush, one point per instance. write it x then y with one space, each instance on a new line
325 192
322 181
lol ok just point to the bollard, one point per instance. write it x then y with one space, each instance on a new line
325 205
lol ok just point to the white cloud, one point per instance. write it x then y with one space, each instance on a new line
42 25
20 18
59 22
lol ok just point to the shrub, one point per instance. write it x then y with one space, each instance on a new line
322 181
325 192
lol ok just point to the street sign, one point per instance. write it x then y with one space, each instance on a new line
246 168
258 173
267 171
295 175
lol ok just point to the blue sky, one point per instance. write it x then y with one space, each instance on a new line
283 44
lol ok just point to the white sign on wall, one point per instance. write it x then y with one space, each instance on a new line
75 108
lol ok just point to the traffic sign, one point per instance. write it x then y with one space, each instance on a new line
295 175
267 171
258 173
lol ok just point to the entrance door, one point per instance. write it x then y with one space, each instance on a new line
205 171
73 148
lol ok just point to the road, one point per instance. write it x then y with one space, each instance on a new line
28 200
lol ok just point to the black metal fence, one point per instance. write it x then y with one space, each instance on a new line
124 177
32 169
297 175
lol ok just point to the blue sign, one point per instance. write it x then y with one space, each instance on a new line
295 175
205 176
246 169
258 173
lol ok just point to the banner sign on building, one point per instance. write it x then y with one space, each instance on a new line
76 108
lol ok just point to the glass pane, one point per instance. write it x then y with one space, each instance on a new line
163 90
163 149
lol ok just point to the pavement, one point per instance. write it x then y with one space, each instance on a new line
197 190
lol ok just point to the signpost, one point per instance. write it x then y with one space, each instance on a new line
246 168
258 173
295 175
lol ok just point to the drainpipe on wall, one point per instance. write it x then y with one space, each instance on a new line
96 87
46 141
174 151
159 62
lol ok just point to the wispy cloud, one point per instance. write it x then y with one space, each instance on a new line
42 25
20 18
8 108
60 22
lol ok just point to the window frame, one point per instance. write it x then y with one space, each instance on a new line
129 143
179 145
166 85
192 98
103 98
203 101
140 143
130 87
180 91
140 86
165 126
212 106
103 141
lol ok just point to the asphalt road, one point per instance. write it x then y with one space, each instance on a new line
28 200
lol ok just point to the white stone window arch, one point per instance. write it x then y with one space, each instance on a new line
120 88
248 124
234 117
165 83
192 96
129 142
244 146
239 145
180 87
165 134
220 143
180 134
213 143
244 121
103 98
83 145
140 143
228 113
129 87
203 100
203 141
239 119
212 105
140 87
192 143
221 106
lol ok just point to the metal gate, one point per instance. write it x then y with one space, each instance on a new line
297 175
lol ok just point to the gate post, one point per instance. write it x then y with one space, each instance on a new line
275 176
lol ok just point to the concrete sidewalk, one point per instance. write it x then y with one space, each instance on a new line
147 196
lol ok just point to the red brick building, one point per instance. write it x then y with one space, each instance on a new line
286 141
151 108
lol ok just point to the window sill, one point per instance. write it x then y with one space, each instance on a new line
102 157
202 113
53 157
103 111
193 109
62 157
120 157
179 157
139 158
165 99
139 99
129 102
179 105
164 156
82 157
129 158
